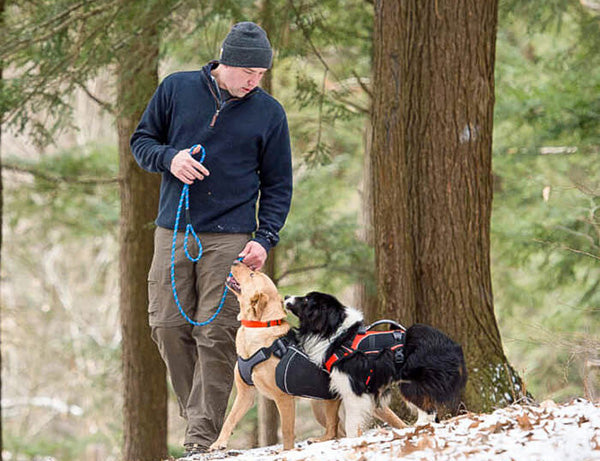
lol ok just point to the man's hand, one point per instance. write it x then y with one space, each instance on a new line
254 255
186 169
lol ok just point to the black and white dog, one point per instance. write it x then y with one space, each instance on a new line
428 366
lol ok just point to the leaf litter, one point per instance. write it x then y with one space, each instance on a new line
546 432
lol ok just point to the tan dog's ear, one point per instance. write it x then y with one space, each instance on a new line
258 303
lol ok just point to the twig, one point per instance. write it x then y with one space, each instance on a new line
365 88
16 46
309 40
299 270
108 107
564 247
59 178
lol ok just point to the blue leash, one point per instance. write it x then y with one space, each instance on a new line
189 229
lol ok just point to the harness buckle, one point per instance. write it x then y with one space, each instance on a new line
399 355
279 348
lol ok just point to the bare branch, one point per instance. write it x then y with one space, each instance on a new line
564 247
14 46
108 107
355 106
365 88
299 270
309 40
58 179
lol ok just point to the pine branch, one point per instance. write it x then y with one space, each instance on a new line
306 35
108 107
138 32
567 248
299 270
321 98
361 109
362 84
12 47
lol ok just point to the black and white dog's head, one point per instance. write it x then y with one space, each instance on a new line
320 314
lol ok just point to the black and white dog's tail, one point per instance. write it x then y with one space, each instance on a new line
434 371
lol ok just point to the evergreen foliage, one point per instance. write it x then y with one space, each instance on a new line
545 225
59 307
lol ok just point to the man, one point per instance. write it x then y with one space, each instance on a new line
248 163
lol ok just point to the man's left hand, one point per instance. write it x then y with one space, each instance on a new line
254 255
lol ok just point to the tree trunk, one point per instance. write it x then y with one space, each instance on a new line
268 415
364 295
432 179
144 375
2 10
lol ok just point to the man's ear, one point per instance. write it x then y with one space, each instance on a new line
258 303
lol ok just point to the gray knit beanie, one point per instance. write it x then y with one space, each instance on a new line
246 45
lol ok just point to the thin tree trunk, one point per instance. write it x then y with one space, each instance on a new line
365 296
268 415
432 179
144 375
2 10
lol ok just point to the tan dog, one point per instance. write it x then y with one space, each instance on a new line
260 302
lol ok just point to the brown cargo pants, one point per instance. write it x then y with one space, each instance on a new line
199 359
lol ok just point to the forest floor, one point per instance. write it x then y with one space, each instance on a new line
545 432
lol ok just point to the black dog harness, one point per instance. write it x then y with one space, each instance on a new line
297 375
245 366
372 342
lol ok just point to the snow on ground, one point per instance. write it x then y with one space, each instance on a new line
545 432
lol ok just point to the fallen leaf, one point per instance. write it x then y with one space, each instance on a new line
582 420
500 427
406 449
426 442
427 428
524 422
397 436
474 424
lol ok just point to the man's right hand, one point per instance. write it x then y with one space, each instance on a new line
186 169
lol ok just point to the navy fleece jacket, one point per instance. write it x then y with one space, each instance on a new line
247 151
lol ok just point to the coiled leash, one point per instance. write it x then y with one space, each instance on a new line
189 229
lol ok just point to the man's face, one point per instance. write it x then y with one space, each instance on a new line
239 81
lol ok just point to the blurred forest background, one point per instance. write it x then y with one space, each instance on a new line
61 363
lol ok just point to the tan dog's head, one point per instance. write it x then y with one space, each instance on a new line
256 293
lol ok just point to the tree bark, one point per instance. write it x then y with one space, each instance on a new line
2 12
268 415
365 297
432 179
144 375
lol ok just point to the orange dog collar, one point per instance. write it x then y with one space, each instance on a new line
257 324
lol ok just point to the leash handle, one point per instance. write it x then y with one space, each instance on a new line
189 229
202 150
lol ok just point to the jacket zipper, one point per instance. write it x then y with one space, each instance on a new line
214 117
217 102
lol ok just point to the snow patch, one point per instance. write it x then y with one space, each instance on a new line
548 432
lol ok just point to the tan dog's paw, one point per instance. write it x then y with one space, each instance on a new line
218 446
323 438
